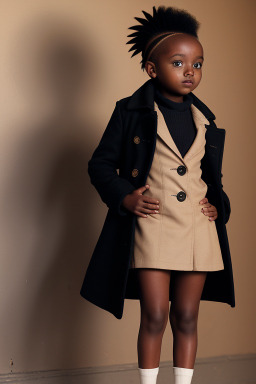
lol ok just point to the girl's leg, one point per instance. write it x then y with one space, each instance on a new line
154 303
188 287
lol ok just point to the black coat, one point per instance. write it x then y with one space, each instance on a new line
108 278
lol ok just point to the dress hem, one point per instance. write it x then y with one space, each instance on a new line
180 267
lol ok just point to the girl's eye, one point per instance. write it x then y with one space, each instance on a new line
177 62
198 65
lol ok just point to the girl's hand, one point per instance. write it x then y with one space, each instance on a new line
140 204
208 209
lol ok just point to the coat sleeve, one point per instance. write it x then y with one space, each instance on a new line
103 165
227 206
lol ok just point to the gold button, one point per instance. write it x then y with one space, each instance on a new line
136 140
135 172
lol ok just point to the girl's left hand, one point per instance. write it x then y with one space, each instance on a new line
208 209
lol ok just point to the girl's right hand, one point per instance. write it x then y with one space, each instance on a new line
140 204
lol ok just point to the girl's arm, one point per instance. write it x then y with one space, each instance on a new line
105 161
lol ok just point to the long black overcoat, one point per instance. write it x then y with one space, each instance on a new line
108 279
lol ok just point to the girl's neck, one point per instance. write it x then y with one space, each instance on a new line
172 97
171 104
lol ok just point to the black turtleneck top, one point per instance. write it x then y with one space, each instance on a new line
179 120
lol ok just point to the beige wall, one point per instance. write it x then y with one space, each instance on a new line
59 59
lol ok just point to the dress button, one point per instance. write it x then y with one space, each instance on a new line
135 172
181 170
181 196
136 140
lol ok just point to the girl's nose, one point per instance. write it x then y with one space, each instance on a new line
189 71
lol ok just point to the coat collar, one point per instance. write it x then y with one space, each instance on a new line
144 98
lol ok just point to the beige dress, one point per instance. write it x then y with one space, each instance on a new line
180 236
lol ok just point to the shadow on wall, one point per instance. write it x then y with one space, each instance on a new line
49 194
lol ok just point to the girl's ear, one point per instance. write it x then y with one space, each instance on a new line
150 69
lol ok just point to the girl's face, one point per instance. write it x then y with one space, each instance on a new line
177 65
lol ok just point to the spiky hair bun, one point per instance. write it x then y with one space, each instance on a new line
170 19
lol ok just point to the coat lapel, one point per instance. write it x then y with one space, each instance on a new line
144 98
163 131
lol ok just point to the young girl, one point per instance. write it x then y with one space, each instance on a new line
164 238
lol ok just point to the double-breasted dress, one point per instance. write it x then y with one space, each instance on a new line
180 236
120 164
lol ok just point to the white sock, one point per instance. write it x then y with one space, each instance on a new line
182 375
148 375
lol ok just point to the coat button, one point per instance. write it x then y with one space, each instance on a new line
181 170
136 140
181 196
135 172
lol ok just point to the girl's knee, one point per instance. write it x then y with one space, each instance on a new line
184 320
154 321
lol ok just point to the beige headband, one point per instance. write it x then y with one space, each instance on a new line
156 37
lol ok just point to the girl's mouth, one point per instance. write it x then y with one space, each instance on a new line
187 82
